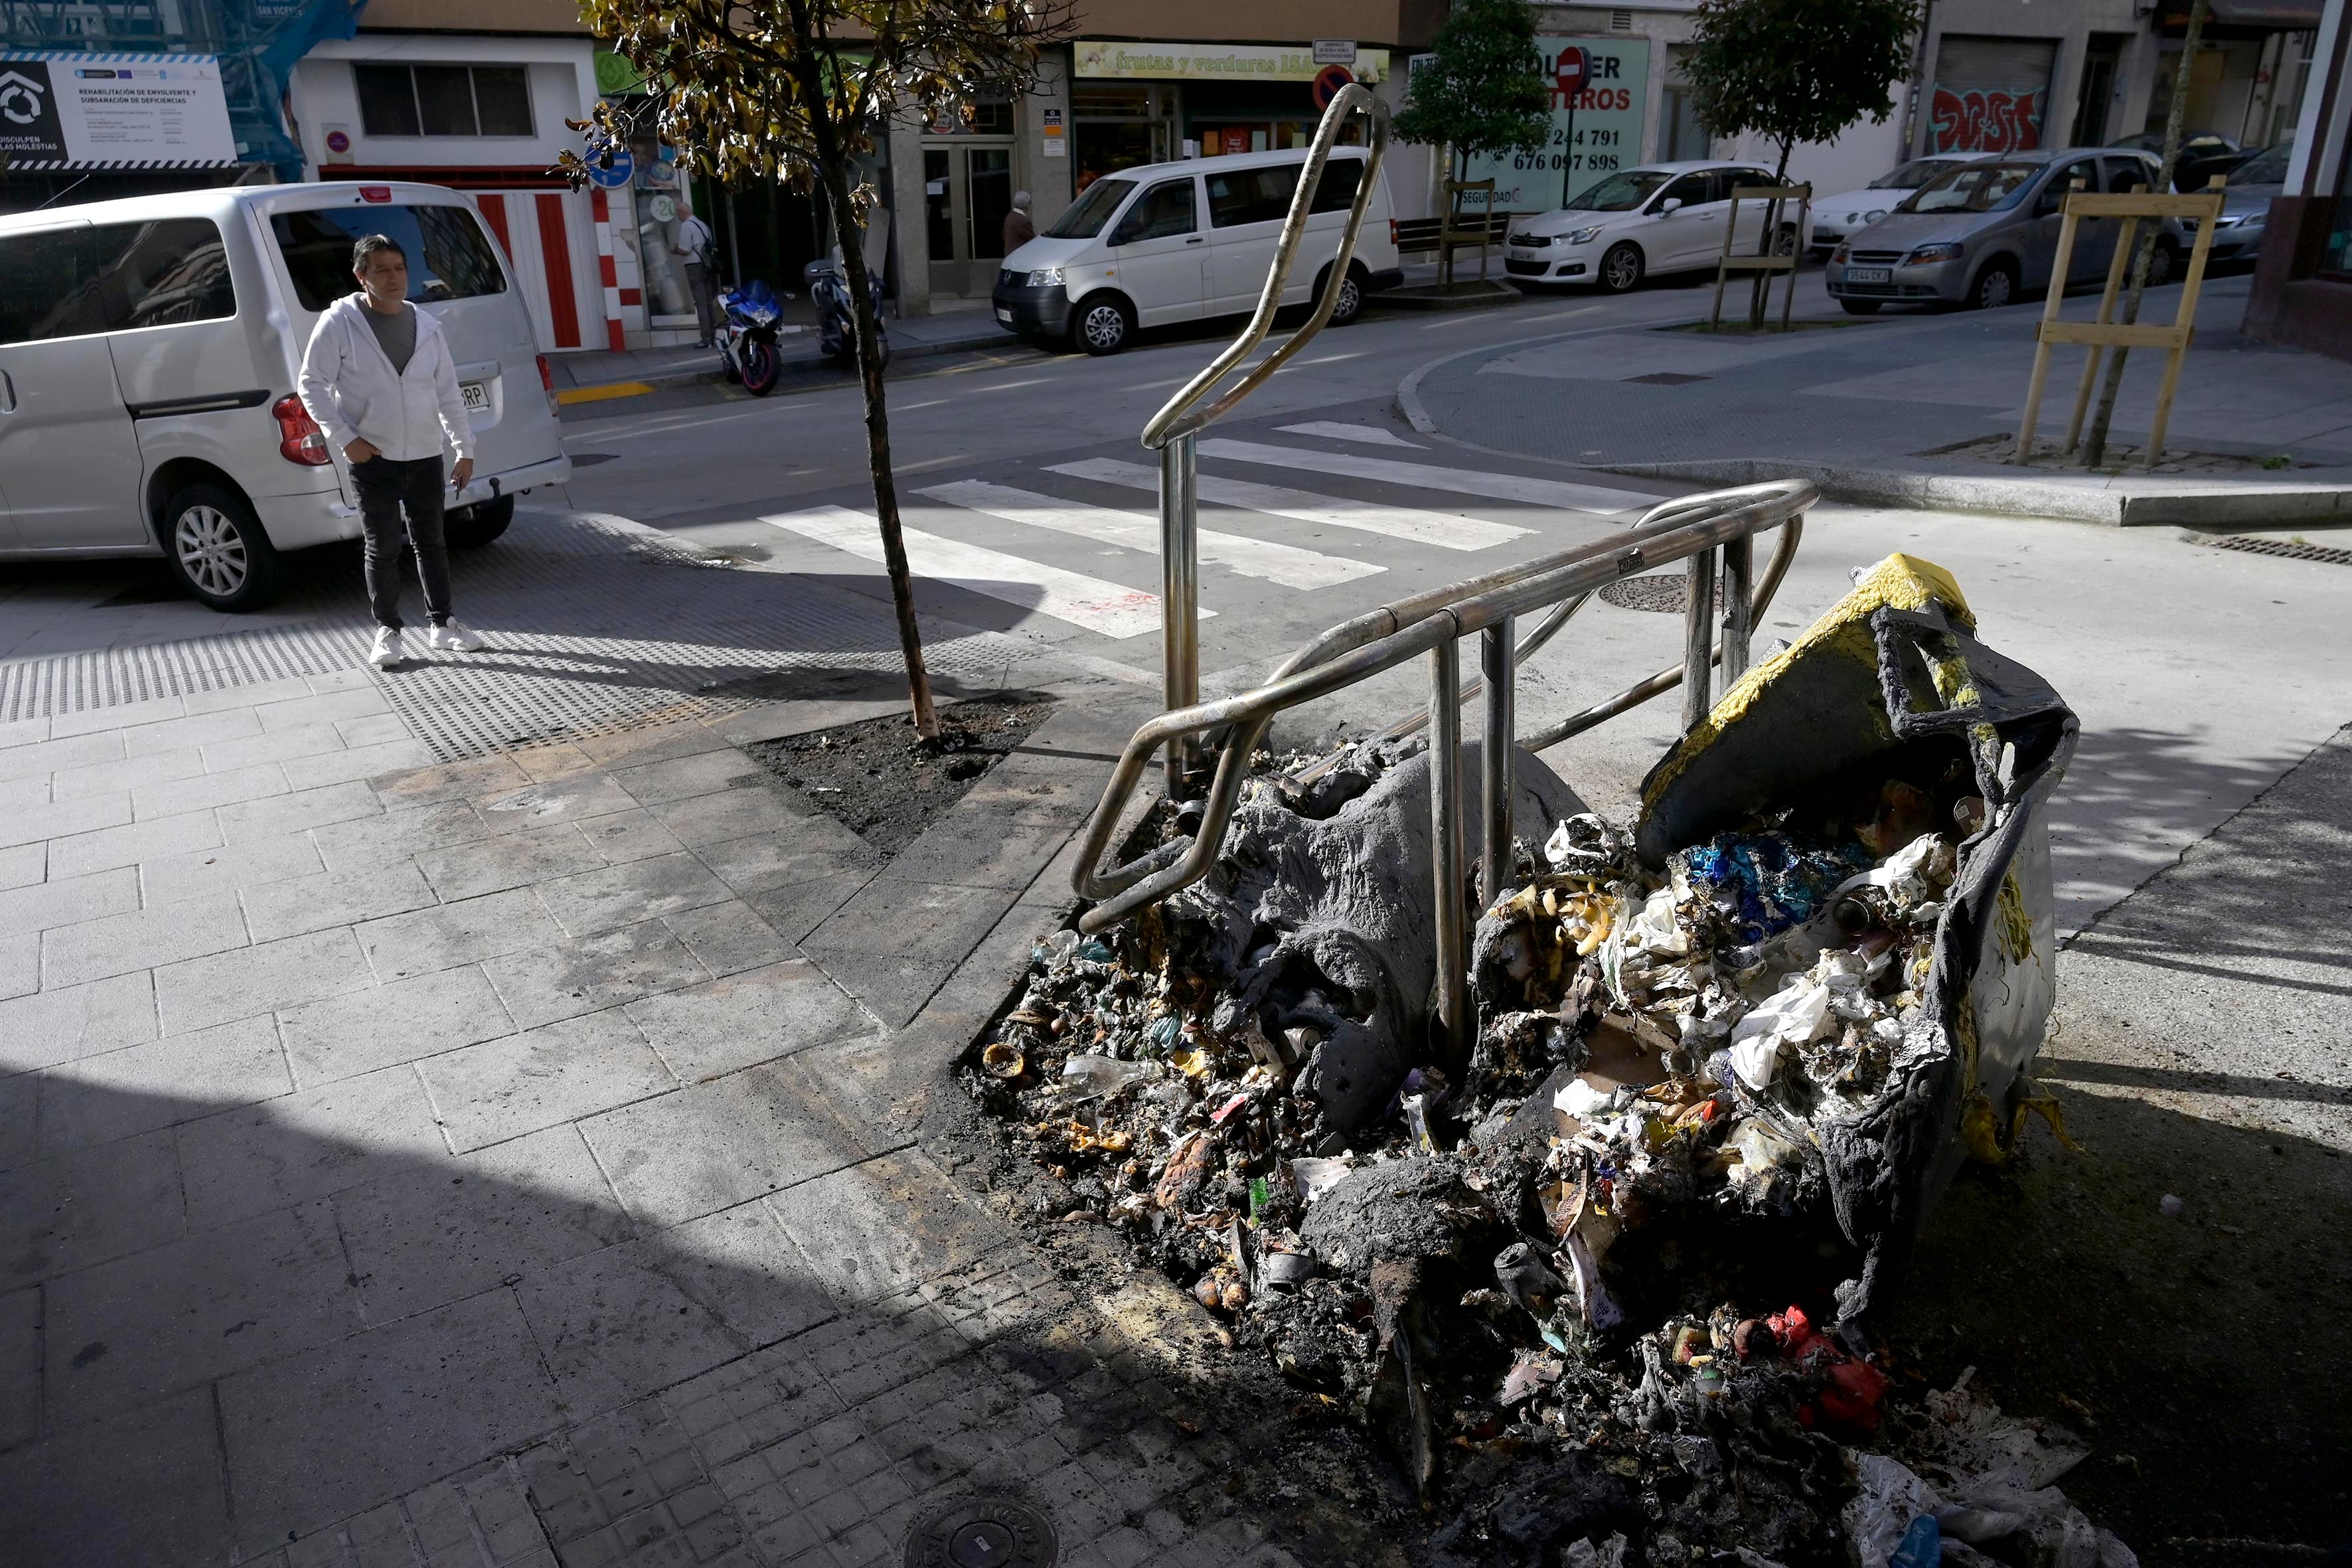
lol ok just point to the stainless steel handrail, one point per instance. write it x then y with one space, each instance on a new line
1690 528
1174 431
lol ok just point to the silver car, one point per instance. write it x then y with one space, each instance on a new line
2246 205
1984 234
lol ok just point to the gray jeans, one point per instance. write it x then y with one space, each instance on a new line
705 290
387 490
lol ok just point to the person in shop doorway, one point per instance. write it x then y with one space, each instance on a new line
1019 228
380 380
697 244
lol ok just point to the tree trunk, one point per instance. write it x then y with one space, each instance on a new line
877 431
2095 445
1760 296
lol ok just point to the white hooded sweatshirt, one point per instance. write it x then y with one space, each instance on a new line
350 389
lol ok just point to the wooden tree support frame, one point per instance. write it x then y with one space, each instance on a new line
2105 331
1455 236
1776 200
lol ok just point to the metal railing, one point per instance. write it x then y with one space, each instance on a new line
1694 528
1174 431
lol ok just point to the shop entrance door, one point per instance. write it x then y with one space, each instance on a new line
967 192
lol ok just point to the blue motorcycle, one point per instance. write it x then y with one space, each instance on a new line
836 319
747 337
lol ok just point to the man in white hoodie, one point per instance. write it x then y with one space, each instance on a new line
379 379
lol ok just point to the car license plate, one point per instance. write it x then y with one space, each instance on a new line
1870 275
1004 315
477 397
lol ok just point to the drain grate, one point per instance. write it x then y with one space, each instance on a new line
2292 549
1662 592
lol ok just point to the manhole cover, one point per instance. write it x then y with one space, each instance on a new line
1663 591
982 1532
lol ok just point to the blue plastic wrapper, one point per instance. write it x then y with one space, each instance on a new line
1777 882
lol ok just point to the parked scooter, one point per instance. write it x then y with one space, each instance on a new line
747 337
836 320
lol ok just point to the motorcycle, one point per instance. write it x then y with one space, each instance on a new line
836 320
747 337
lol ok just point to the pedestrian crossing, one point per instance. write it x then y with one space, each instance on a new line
1525 488
946 524
1285 563
1443 530
1071 596
1338 430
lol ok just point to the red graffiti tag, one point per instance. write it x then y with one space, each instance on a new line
1975 121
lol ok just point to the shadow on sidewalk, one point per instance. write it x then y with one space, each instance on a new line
230 1331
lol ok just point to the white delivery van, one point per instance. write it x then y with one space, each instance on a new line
148 354
1177 242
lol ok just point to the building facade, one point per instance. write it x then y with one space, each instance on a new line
480 108
1139 83
2303 282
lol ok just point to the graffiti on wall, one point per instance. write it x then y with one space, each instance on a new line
1993 121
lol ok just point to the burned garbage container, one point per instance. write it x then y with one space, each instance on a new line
1601 1286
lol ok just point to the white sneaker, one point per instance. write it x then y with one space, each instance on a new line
453 636
387 651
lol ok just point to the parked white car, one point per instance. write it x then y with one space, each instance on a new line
1841 216
1659 217
1177 242
148 355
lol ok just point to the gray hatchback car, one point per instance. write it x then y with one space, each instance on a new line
1984 233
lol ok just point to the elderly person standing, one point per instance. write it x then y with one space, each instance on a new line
1018 229
379 378
699 245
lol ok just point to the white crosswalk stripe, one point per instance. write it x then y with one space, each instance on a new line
1365 435
1441 529
1110 608
1284 563
1429 476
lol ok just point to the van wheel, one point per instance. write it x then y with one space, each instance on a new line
471 526
1350 303
1103 324
218 549
2163 264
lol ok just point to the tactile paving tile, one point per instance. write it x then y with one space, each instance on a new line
592 627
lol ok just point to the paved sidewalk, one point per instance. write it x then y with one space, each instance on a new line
597 374
1871 408
468 1114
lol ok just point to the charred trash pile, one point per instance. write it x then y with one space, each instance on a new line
1601 1283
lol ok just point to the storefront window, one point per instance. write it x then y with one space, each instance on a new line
1118 125
656 186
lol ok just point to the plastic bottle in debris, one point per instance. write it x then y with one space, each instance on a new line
1093 1077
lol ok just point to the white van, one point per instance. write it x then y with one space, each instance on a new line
1176 242
147 354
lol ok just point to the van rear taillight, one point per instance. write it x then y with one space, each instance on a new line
547 380
299 439
1392 234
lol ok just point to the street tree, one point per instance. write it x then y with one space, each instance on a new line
2095 445
1485 94
1797 70
796 91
